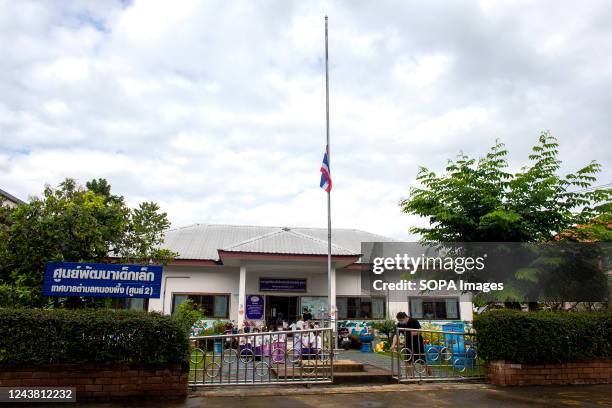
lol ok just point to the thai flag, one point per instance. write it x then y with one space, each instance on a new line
326 181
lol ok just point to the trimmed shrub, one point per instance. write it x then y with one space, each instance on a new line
543 337
36 336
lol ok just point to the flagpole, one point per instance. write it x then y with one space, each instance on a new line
331 291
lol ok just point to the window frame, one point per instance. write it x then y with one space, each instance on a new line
435 299
384 299
124 304
227 295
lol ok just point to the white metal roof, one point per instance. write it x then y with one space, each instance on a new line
10 197
203 241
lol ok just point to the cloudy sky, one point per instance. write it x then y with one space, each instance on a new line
216 109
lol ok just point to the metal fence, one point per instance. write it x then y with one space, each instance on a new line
430 355
283 357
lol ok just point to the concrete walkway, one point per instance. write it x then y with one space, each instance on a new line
377 360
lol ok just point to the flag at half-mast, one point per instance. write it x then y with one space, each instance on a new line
326 181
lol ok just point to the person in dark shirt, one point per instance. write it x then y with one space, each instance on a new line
413 347
306 315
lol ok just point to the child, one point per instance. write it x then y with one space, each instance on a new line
247 326
297 346
258 343
268 340
245 350
279 346
316 343
306 345
300 323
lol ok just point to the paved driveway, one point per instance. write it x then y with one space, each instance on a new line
435 395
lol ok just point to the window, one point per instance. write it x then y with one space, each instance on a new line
317 305
211 305
130 303
434 308
360 308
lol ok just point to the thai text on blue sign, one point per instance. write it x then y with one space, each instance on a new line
254 307
282 285
102 280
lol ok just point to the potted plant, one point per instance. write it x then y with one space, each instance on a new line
366 340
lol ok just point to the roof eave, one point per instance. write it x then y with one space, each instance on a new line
340 260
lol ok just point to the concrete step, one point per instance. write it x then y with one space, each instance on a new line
340 366
369 375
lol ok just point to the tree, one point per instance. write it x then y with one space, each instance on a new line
188 313
481 201
79 224
145 234
599 229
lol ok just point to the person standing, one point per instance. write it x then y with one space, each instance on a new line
306 315
414 342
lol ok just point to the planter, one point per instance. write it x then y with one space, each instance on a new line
596 371
102 381
366 343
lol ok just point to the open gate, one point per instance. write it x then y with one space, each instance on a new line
430 355
283 357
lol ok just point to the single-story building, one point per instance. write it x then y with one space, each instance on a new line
233 271
9 200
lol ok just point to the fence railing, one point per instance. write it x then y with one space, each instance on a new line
283 357
430 355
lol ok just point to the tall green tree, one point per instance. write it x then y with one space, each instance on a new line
74 223
482 201
145 235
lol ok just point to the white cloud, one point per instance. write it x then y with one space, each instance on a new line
67 69
422 71
216 110
56 107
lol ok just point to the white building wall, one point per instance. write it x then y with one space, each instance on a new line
348 282
224 280
466 310
196 279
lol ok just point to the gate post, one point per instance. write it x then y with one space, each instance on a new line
333 339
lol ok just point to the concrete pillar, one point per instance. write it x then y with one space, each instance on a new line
332 297
241 296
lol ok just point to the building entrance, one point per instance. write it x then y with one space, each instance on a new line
281 307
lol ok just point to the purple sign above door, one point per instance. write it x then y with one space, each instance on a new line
282 285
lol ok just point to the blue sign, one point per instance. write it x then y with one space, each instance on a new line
254 307
102 280
282 285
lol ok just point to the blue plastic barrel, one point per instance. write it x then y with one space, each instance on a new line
465 359
432 353
218 347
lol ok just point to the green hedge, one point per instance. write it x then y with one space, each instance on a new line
543 337
37 336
